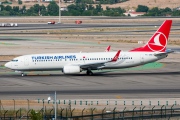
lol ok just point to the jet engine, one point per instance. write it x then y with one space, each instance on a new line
71 69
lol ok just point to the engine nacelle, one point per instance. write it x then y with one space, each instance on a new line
71 69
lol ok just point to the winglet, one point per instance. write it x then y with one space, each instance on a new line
108 48
116 56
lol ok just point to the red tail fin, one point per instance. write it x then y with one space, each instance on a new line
158 41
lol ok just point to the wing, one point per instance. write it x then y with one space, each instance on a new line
99 64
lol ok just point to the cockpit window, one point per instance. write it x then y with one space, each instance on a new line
14 60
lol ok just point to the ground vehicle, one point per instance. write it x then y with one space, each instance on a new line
51 22
8 24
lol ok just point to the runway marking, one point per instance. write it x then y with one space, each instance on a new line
118 97
164 65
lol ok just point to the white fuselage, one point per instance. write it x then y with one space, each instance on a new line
42 62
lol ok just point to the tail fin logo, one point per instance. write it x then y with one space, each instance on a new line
158 42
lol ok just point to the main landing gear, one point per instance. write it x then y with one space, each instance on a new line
89 72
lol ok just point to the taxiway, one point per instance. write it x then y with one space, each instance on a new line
155 81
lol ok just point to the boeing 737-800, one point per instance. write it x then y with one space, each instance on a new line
72 63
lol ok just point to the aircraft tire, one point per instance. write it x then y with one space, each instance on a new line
89 72
22 74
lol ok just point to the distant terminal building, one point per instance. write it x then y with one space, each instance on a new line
134 14
178 8
64 8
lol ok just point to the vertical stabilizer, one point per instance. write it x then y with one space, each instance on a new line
158 42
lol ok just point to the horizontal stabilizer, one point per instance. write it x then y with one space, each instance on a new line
165 53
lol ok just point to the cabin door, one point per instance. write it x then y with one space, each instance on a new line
26 61
142 58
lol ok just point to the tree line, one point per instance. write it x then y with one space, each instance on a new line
158 11
52 9
78 9
90 10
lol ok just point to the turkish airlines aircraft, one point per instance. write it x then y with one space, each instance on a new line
72 63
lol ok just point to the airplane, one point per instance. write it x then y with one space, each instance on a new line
75 63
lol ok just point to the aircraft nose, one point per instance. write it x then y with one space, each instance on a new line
8 65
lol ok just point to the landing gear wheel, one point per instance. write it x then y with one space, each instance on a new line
22 74
89 72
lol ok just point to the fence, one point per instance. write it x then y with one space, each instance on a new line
132 114
77 109
65 113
